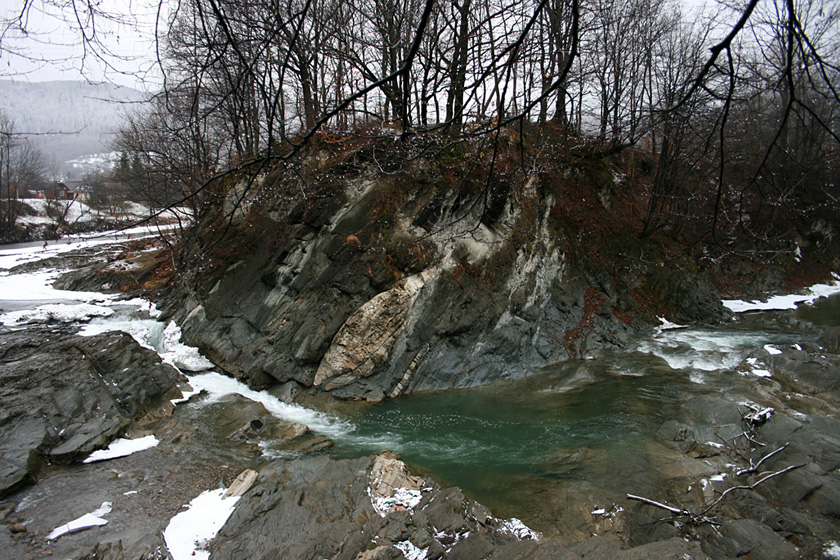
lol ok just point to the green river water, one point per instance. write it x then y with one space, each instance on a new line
523 447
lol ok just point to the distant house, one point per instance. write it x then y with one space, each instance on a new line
67 190
77 190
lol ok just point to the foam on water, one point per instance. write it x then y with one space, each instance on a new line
166 341
702 350
217 386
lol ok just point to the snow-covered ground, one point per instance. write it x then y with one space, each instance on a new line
77 212
73 211
188 532
19 253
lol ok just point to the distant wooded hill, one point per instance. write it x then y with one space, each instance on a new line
92 112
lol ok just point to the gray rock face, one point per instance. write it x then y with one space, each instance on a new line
373 509
64 396
810 370
830 340
315 507
363 306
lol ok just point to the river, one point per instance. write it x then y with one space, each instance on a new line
586 424
520 447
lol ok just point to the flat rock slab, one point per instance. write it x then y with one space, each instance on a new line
62 396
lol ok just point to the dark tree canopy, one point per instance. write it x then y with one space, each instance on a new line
739 103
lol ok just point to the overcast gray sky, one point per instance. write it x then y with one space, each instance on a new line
51 48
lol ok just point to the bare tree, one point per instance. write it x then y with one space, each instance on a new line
22 167
252 82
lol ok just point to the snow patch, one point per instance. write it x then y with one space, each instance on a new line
179 354
449 541
412 552
757 371
122 448
93 519
55 313
405 497
515 527
185 396
189 532
831 550
37 287
787 301
772 350
667 325
610 512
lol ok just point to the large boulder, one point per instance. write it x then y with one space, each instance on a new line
830 340
63 396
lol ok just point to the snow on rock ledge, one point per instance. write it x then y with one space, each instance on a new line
121 448
88 520
55 312
189 532
515 527
782 302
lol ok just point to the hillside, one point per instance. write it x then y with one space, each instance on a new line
88 112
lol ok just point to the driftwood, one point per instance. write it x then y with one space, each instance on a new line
752 486
754 468
688 516
752 422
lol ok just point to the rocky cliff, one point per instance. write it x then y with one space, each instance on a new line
368 280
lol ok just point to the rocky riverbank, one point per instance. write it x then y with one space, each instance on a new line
308 505
107 385
64 395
